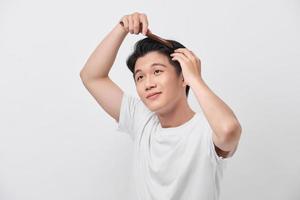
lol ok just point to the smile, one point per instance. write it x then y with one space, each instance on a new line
153 97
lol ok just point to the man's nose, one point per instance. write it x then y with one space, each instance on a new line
150 82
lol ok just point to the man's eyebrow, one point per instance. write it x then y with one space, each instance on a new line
152 65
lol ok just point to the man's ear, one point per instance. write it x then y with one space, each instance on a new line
183 82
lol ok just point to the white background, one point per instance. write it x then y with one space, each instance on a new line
56 142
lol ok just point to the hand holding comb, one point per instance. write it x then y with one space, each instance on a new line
155 37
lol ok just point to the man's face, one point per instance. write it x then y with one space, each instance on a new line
154 73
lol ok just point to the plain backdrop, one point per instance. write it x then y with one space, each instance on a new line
56 142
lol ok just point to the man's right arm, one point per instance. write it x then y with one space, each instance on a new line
94 74
101 60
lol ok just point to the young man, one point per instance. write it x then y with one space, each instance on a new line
179 154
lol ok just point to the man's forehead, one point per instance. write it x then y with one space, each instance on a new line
150 60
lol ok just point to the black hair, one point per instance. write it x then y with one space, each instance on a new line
147 45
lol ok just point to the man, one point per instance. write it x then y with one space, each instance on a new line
179 153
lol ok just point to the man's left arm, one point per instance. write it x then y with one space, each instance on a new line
225 126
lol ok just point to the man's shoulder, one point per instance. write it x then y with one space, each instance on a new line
140 109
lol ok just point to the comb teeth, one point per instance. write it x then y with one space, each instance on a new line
156 38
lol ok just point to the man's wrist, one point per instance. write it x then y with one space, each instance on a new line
121 28
199 81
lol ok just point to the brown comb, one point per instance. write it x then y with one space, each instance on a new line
155 37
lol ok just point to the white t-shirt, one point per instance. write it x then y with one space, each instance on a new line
177 163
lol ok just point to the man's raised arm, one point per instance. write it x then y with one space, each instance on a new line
94 74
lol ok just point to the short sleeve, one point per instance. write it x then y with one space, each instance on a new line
130 113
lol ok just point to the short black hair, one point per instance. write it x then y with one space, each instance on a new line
147 45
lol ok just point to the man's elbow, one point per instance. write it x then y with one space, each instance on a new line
231 137
82 74
233 131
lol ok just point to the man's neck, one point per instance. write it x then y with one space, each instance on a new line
178 115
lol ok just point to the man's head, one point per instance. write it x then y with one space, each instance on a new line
165 78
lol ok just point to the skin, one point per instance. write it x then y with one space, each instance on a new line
171 106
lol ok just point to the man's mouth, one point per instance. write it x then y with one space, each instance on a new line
155 96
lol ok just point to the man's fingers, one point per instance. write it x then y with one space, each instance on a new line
186 52
180 55
136 23
144 21
130 22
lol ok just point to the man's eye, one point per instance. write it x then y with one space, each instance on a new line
138 77
158 70
154 71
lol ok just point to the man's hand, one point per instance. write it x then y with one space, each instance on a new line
190 65
135 23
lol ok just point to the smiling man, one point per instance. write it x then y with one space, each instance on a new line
179 154
161 80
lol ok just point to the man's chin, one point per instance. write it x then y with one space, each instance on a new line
154 106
